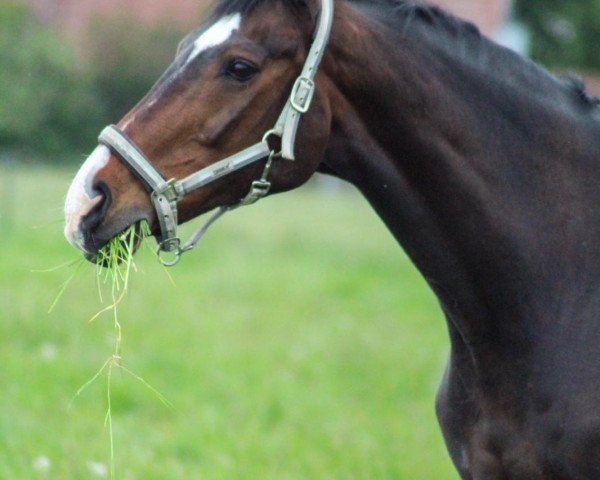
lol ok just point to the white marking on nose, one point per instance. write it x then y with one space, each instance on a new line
81 198
215 35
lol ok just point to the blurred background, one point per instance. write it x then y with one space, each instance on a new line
297 342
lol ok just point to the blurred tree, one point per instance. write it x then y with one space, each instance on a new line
45 99
126 59
564 34
54 102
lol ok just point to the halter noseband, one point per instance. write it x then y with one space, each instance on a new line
165 194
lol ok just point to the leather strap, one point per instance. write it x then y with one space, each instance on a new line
304 87
121 144
166 193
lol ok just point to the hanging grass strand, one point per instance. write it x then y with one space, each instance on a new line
66 283
117 258
114 266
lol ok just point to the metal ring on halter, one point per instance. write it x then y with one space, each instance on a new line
169 263
269 133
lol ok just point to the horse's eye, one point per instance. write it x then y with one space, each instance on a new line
241 70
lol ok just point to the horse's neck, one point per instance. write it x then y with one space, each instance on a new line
464 177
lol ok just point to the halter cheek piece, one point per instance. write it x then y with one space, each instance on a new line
165 194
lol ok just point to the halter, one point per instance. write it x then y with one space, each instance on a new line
165 194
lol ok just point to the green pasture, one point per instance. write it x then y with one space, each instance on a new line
297 343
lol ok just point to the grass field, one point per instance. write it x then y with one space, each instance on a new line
298 343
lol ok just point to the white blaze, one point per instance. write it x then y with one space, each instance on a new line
215 35
81 199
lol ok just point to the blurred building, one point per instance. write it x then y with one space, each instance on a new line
75 15
592 83
493 17
489 15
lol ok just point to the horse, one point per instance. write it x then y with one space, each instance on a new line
483 165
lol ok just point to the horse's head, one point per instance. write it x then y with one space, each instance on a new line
227 87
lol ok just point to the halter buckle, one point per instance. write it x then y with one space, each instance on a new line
302 94
170 191
169 245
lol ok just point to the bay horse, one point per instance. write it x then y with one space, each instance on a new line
484 167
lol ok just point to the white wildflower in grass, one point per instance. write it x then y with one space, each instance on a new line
41 464
48 351
97 469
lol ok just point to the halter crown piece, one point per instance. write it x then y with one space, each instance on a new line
166 193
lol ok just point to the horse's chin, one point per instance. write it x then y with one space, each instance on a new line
121 241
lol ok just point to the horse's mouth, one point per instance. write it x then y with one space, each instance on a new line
118 249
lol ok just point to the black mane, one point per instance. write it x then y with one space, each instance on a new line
411 10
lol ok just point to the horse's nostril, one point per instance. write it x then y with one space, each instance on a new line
96 215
